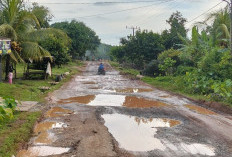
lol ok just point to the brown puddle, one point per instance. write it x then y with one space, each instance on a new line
200 110
42 151
135 133
57 112
137 102
41 130
133 90
89 82
81 99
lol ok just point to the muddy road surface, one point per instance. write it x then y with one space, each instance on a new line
108 116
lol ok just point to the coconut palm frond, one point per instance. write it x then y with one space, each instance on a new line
25 15
33 51
39 35
8 31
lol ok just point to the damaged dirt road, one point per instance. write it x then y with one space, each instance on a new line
96 116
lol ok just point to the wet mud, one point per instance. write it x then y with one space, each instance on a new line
200 110
127 118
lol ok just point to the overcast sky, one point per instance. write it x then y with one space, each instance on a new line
109 20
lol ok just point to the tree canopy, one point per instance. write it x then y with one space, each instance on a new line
83 38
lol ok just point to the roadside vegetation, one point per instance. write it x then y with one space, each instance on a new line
34 40
199 66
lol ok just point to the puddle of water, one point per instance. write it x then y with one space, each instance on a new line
44 138
81 99
108 100
133 90
197 148
136 134
136 102
200 110
41 129
89 82
114 100
42 151
57 112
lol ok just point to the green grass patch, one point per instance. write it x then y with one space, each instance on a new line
16 132
169 83
28 90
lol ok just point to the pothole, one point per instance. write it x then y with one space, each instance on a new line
81 99
57 112
133 90
42 151
43 134
137 102
137 134
114 100
200 110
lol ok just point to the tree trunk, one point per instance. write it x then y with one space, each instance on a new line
7 66
15 70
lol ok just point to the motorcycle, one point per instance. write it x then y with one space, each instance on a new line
101 71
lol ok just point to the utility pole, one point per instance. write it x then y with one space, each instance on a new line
229 2
134 28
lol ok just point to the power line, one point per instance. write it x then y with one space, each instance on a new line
152 16
97 3
204 13
123 10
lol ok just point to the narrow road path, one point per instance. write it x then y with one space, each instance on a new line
95 115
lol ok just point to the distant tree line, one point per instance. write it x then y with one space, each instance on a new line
200 64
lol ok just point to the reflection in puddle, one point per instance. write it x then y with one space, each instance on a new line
108 100
81 99
114 100
57 112
137 102
136 134
133 90
200 110
198 149
43 134
42 151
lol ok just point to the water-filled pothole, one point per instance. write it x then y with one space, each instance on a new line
137 102
42 151
57 112
133 90
137 134
80 99
43 134
114 100
199 109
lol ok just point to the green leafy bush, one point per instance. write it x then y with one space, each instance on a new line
6 111
222 91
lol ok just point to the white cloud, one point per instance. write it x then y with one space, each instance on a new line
110 27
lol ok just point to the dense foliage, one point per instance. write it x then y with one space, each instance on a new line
83 38
201 64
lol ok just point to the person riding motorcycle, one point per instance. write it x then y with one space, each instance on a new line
101 69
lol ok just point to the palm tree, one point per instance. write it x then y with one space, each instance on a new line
22 26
